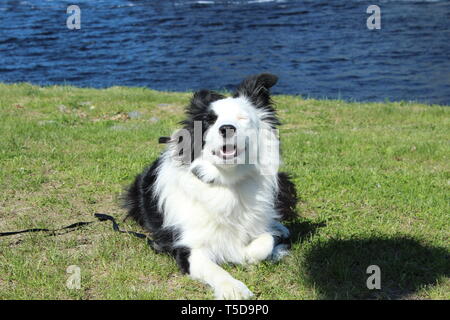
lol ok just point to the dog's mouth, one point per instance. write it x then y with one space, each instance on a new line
226 152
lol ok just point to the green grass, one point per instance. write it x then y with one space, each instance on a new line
373 181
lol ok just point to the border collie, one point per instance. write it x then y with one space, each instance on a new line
215 194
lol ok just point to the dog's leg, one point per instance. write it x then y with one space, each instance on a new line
282 243
269 245
260 248
225 286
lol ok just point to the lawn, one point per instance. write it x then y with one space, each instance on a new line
373 181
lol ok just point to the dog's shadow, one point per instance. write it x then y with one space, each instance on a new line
337 269
302 230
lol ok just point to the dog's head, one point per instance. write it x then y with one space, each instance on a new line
229 131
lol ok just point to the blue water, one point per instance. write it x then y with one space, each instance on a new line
319 49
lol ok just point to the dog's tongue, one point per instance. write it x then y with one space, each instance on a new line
228 150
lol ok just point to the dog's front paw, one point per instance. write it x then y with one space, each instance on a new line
259 249
202 176
204 171
232 289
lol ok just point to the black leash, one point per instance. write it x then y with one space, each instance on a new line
72 226
100 216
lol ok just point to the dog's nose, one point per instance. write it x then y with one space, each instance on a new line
227 130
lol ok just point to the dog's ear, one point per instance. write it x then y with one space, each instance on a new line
201 101
257 89
199 107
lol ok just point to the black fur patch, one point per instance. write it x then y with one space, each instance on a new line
182 255
143 208
287 197
199 110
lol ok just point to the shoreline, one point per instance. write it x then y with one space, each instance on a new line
299 96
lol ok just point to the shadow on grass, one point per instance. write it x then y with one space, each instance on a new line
302 230
337 268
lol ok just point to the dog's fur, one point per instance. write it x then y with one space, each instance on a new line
205 209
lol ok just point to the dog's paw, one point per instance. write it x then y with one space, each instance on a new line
280 230
232 289
260 248
279 252
204 171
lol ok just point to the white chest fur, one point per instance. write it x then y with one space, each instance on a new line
221 220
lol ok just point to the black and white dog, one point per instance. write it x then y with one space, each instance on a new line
215 194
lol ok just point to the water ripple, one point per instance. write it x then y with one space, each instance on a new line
318 48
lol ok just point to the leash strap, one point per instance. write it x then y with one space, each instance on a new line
100 216
72 226
104 217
